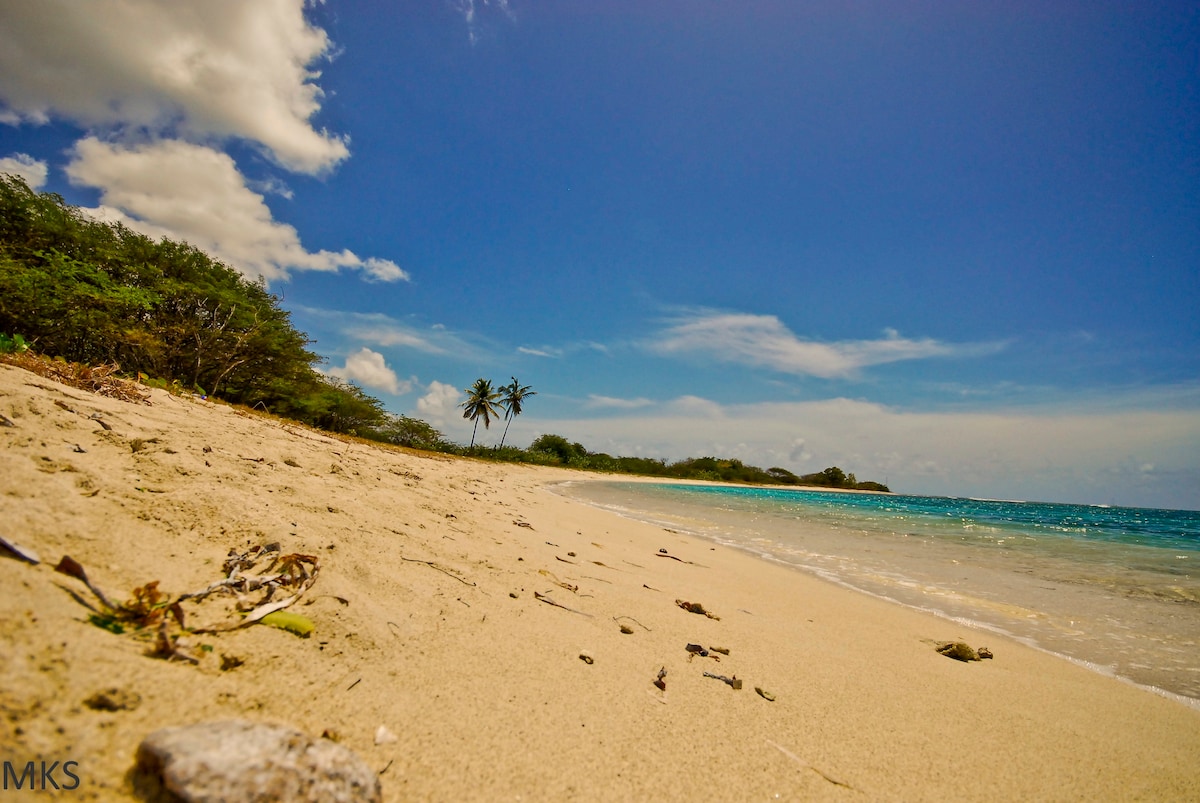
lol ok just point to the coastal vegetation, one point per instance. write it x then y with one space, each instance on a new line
78 290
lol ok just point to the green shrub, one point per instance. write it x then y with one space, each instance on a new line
12 345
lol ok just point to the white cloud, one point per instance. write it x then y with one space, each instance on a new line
194 193
763 340
695 407
369 369
383 270
439 405
799 454
471 10
161 85
215 69
22 164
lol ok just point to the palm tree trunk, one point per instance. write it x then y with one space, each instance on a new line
473 431
507 421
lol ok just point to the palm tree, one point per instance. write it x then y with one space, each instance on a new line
480 403
514 394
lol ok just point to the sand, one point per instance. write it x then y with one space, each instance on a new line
428 624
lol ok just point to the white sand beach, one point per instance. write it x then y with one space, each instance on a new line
428 622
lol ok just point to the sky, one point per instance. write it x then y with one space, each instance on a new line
953 247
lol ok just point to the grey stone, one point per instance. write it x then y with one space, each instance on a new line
235 761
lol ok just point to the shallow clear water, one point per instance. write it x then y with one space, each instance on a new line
1115 588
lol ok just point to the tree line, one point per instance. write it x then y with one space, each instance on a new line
557 450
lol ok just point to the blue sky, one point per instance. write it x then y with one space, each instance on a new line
951 246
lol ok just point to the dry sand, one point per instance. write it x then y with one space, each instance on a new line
442 640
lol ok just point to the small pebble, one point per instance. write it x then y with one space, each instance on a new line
587 659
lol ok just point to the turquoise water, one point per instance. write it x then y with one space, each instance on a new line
1117 589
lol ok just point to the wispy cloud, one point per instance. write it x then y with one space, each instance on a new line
764 341
378 329
565 350
473 13
597 402
544 351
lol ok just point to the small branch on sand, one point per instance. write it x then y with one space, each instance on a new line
733 682
433 565
546 599
618 619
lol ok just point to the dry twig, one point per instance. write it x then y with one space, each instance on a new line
433 565
546 599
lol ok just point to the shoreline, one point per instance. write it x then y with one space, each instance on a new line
629 509
430 622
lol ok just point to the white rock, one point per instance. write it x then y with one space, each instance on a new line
236 761
385 736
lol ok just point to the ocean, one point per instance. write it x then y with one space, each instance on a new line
1115 589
